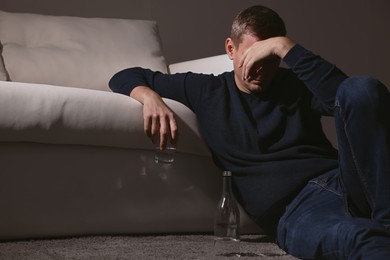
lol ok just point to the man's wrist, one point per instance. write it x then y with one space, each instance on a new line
294 55
283 46
140 93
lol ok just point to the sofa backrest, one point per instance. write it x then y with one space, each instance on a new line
75 51
214 65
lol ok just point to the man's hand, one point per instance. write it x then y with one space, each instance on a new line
263 50
159 120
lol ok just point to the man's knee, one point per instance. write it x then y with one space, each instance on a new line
362 91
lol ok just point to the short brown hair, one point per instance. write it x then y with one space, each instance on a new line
258 20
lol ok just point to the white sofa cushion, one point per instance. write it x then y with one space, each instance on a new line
66 115
74 51
214 65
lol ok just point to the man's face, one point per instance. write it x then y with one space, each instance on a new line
261 76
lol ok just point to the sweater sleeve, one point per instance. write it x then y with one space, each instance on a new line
321 77
186 88
125 81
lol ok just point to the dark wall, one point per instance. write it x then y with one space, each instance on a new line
353 34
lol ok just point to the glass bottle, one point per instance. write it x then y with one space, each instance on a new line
227 221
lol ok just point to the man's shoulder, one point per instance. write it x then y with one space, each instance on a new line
224 75
211 80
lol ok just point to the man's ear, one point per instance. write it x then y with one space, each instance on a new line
229 47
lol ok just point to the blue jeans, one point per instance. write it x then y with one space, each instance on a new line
345 213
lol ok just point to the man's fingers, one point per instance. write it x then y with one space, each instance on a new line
164 132
148 126
173 129
160 124
156 128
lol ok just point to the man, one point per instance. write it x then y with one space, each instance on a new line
262 123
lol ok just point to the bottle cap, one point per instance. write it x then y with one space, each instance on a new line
226 173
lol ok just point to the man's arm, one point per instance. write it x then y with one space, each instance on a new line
321 77
159 119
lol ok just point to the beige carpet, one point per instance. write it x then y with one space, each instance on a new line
136 247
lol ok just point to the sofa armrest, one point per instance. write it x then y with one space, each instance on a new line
64 115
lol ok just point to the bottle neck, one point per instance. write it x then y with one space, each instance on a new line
226 182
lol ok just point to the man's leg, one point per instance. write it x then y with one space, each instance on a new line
317 225
362 117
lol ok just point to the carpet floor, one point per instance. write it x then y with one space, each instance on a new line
136 247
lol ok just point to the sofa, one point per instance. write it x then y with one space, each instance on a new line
74 157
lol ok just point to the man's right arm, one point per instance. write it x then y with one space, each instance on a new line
159 119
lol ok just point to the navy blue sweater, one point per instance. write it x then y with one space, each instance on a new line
272 142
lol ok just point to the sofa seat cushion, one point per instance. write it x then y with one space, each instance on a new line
74 51
65 115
